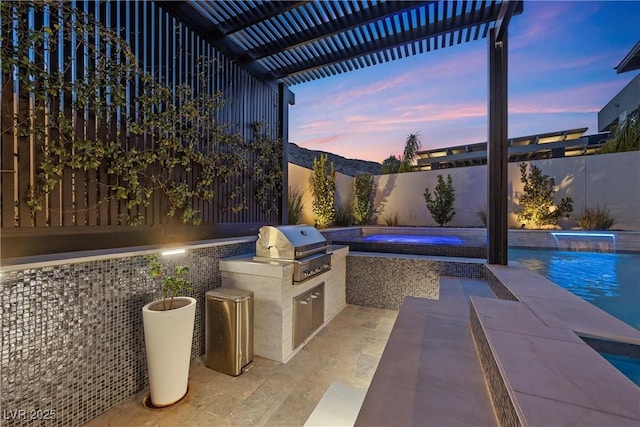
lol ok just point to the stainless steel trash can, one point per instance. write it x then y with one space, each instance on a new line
228 330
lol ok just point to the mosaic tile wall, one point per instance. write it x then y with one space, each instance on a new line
383 282
402 248
502 404
497 287
72 336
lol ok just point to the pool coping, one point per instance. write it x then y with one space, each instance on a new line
556 306
532 343
534 313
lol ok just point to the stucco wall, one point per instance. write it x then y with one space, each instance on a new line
403 194
611 180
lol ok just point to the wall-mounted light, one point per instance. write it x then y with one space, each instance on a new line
173 252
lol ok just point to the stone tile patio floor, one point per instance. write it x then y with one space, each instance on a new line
347 350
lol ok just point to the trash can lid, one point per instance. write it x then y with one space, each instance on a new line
229 294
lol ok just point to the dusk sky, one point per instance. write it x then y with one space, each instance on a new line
562 56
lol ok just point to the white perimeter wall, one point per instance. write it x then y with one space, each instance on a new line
605 179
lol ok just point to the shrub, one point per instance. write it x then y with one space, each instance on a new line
596 219
441 204
392 220
362 194
482 214
391 165
625 136
294 202
343 215
536 204
323 188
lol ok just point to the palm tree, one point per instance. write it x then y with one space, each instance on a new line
412 146
393 164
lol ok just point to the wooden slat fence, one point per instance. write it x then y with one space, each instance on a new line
165 48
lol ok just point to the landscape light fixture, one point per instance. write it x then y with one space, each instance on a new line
173 252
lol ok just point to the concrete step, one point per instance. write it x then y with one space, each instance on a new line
429 373
339 406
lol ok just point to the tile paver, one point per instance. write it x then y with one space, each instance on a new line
273 394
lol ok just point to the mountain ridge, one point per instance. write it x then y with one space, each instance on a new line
352 167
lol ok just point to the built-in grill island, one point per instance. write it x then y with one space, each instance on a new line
298 280
302 245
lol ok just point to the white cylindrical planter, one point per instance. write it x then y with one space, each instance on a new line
167 336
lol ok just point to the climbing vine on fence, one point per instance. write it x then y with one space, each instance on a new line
149 136
267 169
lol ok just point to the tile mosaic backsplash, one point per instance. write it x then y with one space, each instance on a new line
384 281
72 336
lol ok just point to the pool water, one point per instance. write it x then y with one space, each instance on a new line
625 364
608 281
416 240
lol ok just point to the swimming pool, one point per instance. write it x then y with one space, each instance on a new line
417 239
608 281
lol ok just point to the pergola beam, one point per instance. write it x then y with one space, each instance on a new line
507 9
335 26
437 28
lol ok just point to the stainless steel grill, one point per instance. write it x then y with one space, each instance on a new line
302 245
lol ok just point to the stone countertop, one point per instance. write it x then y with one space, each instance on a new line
246 264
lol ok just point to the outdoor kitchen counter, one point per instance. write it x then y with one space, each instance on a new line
245 264
272 285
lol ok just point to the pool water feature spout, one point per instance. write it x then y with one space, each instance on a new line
585 241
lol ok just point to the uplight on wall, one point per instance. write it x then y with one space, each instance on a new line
173 252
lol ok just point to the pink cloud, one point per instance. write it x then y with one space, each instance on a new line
318 141
401 82
581 99
320 124
371 89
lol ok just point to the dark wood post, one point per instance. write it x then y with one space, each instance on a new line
285 97
497 150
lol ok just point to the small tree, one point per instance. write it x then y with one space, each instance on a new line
391 165
536 204
362 192
171 285
441 204
323 187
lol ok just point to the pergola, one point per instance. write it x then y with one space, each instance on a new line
290 42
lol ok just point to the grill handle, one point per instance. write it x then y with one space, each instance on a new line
321 249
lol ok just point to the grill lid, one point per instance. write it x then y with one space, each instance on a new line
289 241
